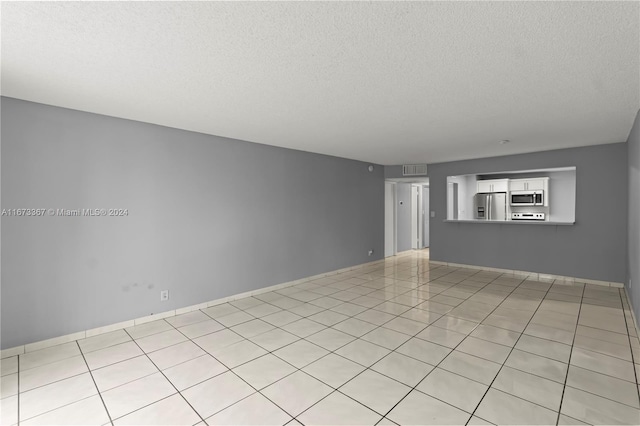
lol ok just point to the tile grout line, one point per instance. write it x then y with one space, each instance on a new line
512 348
130 340
171 325
337 389
62 406
566 377
275 326
60 380
438 364
417 284
166 378
542 300
329 353
366 368
94 383
521 333
305 339
230 370
79 374
18 420
296 369
347 270
409 289
206 352
510 352
414 387
633 363
583 368
604 374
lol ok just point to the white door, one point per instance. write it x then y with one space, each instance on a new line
389 219
425 214
416 217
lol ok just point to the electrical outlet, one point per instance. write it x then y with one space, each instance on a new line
164 295
370 252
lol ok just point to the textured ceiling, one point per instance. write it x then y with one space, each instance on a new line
388 83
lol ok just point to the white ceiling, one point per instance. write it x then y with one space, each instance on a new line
388 83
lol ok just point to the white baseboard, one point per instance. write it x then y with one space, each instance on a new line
30 347
539 276
633 315
18 350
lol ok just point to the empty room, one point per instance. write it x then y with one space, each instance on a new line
320 213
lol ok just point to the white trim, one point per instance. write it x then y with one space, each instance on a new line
539 276
6 353
109 328
633 315
153 317
191 308
390 219
30 347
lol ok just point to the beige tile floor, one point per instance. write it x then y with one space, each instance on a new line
401 341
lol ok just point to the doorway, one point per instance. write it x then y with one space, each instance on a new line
416 217
406 215
419 216
426 216
390 241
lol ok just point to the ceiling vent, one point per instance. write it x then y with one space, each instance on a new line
414 170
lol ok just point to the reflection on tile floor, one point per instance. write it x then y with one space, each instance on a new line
401 341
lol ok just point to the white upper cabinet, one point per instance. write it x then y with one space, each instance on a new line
517 185
532 184
500 185
493 185
484 186
537 184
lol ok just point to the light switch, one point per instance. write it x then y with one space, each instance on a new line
433 214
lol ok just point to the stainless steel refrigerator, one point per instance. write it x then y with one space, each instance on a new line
490 206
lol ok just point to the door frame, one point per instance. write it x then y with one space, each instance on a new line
426 220
390 219
417 213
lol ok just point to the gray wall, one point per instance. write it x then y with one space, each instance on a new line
633 274
208 217
594 248
403 221
393 172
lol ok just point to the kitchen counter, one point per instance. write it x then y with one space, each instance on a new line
513 222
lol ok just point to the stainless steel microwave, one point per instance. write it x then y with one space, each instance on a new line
527 198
